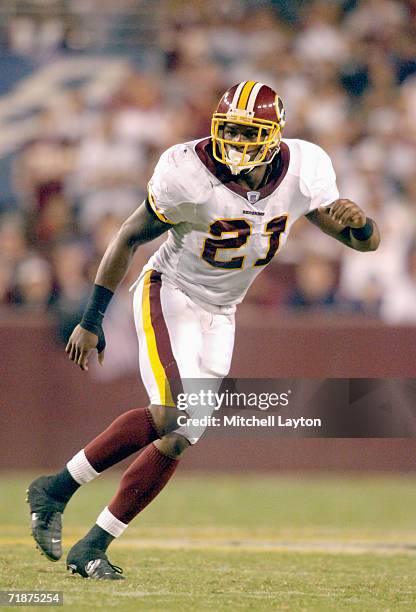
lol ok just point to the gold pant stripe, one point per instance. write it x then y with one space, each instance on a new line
155 362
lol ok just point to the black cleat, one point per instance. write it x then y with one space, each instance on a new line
46 514
91 562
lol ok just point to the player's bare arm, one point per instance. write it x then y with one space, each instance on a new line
347 222
141 227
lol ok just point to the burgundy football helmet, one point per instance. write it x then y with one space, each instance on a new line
249 104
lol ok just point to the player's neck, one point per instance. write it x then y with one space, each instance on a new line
254 179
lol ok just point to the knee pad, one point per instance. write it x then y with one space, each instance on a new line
173 444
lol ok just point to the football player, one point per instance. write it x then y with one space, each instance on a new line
227 203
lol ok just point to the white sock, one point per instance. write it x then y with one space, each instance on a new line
110 523
81 469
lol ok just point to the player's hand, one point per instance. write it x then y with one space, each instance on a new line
347 212
80 345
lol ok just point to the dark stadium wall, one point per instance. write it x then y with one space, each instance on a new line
50 409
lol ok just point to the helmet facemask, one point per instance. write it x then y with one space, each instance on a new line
235 154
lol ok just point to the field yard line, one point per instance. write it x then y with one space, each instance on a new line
198 533
249 545
274 545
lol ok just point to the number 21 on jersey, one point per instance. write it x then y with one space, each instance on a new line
242 230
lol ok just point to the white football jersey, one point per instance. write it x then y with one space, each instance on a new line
223 236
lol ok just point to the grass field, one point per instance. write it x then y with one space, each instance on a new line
234 543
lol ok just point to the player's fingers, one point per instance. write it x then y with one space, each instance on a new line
72 352
357 216
337 210
333 211
68 347
80 356
343 204
101 357
337 215
335 205
83 360
76 354
355 219
346 217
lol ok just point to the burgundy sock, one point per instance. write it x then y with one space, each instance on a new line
143 480
129 433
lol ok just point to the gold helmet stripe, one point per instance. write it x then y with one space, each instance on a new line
245 94
237 94
253 96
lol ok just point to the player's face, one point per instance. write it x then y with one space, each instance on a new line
237 132
241 134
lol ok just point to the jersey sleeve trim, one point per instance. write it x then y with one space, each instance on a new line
150 210
152 202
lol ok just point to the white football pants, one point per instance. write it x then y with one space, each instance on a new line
179 342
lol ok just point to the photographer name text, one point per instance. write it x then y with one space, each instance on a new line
250 421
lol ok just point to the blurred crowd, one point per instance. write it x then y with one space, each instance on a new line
346 71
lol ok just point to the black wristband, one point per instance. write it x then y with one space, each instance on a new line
365 232
96 306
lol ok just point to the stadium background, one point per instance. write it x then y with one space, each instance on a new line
91 93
